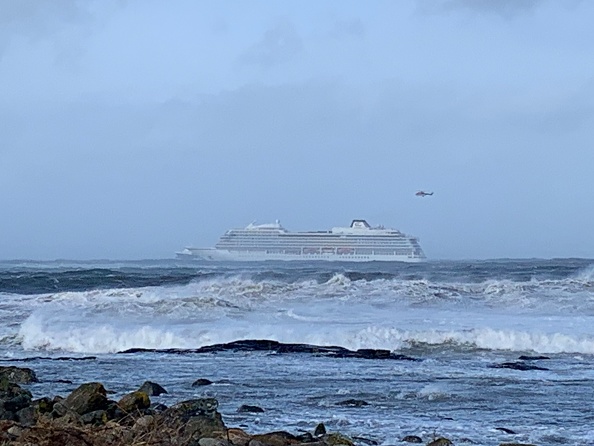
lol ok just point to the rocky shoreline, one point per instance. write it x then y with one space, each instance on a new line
88 417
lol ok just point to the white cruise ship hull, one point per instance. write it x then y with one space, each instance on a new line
358 243
220 255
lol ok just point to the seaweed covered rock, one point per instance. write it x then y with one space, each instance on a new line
134 402
17 375
86 398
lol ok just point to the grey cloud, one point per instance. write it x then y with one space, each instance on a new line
278 45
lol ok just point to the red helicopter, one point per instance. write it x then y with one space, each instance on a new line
423 193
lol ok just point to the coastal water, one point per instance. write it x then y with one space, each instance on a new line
464 322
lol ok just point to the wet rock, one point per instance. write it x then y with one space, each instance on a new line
305 437
412 439
18 375
353 403
279 438
441 441
320 430
506 430
335 439
516 366
134 402
86 398
152 389
281 348
532 358
201 382
246 408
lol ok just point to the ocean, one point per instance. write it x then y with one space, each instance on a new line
493 351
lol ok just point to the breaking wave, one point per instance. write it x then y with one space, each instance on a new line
541 307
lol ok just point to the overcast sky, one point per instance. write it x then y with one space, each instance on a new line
130 128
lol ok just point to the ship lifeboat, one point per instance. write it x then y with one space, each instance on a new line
345 251
327 250
311 251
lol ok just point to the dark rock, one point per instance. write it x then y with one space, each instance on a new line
96 417
279 438
305 437
49 358
516 366
506 430
157 408
204 407
18 375
7 415
134 402
63 381
353 403
12 397
441 441
412 439
257 345
335 439
320 430
27 416
194 419
59 410
532 358
201 382
246 408
87 398
114 412
152 389
43 405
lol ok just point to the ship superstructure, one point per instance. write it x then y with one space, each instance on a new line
358 243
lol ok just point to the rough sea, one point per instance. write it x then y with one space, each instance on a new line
466 323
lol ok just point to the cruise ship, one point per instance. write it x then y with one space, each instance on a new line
357 243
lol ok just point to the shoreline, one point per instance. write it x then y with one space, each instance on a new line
87 416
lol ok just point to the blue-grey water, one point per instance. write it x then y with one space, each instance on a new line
459 318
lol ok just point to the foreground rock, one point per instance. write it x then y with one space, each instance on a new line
17 375
88 417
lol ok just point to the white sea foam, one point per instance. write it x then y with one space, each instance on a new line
545 316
